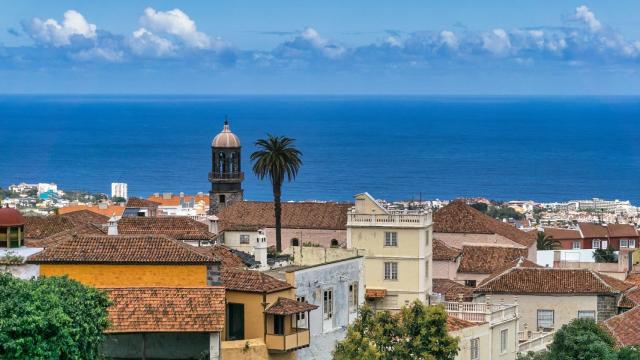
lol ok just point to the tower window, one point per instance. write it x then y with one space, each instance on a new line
295 242
222 199
334 243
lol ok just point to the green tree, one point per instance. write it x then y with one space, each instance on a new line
50 318
276 158
605 255
582 339
546 242
119 200
417 332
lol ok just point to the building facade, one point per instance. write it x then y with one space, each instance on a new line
226 175
119 190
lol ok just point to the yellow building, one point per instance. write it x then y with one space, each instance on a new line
128 261
397 249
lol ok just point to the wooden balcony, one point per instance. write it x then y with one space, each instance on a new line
226 177
294 340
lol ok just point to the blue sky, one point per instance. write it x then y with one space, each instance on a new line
329 47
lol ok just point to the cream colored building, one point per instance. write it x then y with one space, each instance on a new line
397 250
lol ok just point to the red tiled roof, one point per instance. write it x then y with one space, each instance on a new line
630 298
486 259
41 227
375 293
452 290
156 309
621 230
174 200
108 210
120 249
521 280
562 234
243 215
633 278
458 217
177 227
251 281
135 202
285 306
443 252
590 230
625 327
455 324
228 260
10 217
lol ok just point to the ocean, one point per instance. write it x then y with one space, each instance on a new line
539 148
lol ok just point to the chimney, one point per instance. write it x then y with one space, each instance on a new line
260 250
166 196
213 224
112 226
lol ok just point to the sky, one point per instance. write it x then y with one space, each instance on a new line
454 47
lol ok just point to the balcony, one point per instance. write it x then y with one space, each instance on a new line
295 339
481 312
534 340
394 219
226 177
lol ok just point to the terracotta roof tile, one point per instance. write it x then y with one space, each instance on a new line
10 217
135 202
452 290
174 200
120 249
455 324
551 281
630 298
251 215
593 230
285 306
458 217
177 227
621 230
562 234
486 259
108 210
251 281
443 252
156 309
41 227
625 327
228 259
633 278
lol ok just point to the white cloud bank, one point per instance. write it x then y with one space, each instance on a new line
588 17
53 33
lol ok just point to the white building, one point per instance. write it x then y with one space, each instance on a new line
119 190
44 187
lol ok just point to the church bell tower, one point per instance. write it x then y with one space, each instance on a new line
226 175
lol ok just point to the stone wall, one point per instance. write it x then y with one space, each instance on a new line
320 237
606 307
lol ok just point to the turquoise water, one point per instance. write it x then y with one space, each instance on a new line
393 147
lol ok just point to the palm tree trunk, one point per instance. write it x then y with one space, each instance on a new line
278 213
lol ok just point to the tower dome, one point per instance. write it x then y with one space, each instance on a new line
226 139
10 217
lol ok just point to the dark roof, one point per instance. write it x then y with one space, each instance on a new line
120 249
252 215
458 217
251 281
621 230
443 252
452 290
135 202
624 328
158 309
10 217
285 306
521 280
177 227
486 259
562 234
590 230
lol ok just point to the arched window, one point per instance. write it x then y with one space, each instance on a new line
295 242
334 243
232 163
221 162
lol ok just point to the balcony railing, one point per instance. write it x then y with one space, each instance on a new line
534 340
226 177
298 338
481 312
391 220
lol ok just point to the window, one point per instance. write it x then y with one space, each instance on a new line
244 239
278 324
605 244
576 245
301 318
504 340
295 242
391 239
334 243
470 283
327 309
475 348
595 244
632 243
587 314
624 243
391 271
353 297
545 319
222 199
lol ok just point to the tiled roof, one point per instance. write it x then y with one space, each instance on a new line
251 281
562 234
443 252
177 227
174 200
551 281
621 230
458 217
590 230
108 210
625 328
486 259
120 249
10 217
452 290
375 293
227 258
87 229
135 202
285 306
41 227
455 324
243 215
630 298
156 309
633 278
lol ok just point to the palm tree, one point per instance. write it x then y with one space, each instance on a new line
276 158
546 242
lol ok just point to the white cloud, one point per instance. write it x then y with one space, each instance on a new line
449 38
312 36
393 42
144 42
496 42
51 32
588 17
177 23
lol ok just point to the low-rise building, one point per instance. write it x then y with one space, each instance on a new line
181 205
596 236
180 228
137 207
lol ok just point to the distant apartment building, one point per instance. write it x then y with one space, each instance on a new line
596 236
45 188
119 190
397 250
